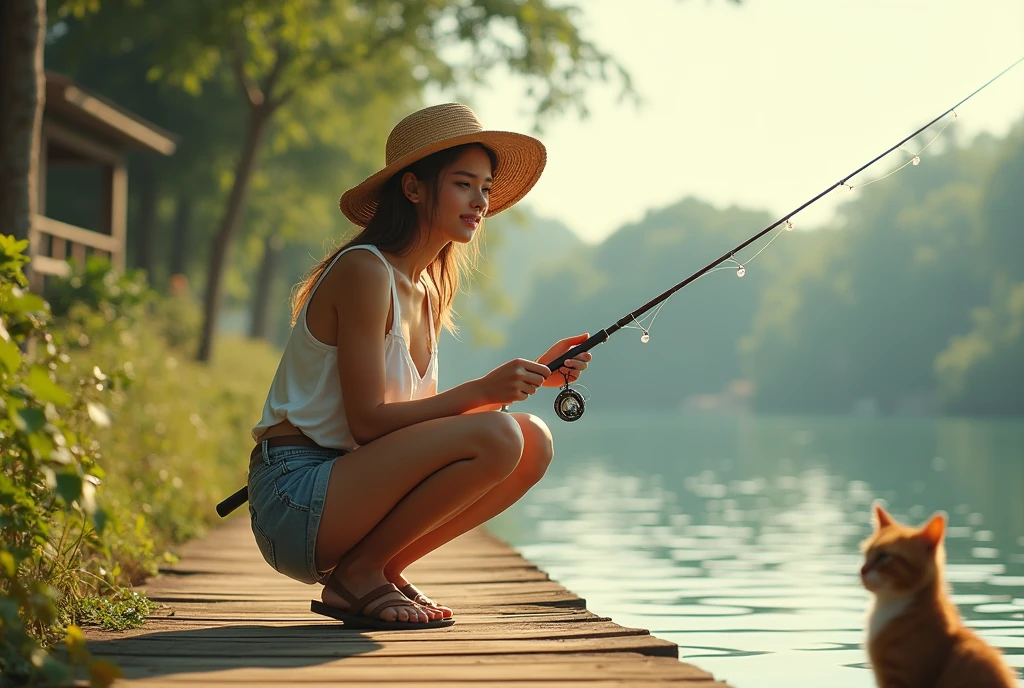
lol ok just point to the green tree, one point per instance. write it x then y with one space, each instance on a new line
1002 211
294 209
980 372
864 314
22 25
691 349
190 181
277 50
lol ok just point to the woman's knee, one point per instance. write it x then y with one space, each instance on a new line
538 447
501 443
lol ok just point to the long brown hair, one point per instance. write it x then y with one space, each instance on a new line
395 228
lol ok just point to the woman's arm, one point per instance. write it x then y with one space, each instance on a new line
485 407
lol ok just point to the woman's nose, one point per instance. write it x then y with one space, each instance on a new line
479 202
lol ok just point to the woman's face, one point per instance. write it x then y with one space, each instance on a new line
462 196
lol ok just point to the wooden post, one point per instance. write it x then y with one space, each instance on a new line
115 220
44 150
36 280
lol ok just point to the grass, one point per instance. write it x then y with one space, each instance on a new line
178 442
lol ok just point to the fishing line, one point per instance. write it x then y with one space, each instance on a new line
570 404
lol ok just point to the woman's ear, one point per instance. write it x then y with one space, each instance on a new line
411 187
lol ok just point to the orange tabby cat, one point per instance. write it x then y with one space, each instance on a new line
915 636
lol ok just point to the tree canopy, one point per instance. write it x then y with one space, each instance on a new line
281 55
911 302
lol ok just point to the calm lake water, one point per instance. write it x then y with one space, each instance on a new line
737 537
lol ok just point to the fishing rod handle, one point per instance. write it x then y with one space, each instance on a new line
233 502
557 363
589 344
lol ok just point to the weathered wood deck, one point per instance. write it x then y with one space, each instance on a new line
228 618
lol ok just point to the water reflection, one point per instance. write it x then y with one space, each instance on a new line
737 538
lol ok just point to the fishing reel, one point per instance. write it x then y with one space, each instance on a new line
569 405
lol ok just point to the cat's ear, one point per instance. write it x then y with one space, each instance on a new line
882 517
933 531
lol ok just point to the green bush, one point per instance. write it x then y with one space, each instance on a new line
115 446
178 440
49 516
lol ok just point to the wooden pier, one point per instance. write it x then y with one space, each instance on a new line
228 618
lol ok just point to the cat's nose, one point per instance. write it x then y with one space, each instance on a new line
864 570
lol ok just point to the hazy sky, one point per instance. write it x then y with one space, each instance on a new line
765 104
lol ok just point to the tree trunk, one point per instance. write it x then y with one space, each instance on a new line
147 229
181 234
264 287
259 117
22 94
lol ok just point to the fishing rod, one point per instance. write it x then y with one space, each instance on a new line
569 403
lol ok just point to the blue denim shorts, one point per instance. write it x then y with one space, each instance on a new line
286 500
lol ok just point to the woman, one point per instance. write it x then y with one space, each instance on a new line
361 466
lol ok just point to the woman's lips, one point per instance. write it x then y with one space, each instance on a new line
472 221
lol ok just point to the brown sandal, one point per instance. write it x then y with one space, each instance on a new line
414 594
353 617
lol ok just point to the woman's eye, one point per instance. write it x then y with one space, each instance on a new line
465 184
487 190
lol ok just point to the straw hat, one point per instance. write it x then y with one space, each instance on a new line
521 158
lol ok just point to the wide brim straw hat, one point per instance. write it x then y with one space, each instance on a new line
521 158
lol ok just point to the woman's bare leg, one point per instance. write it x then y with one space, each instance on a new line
537 453
383 496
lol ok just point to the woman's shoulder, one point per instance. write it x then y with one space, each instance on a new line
358 273
359 265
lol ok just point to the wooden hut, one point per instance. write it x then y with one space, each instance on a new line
81 127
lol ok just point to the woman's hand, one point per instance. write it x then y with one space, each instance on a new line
570 371
513 381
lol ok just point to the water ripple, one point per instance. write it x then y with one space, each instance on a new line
746 553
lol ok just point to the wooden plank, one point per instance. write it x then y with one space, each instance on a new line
588 668
44 265
232 590
69 98
598 660
78 253
209 576
228 619
557 599
115 210
285 678
349 643
454 566
89 146
331 632
200 613
77 235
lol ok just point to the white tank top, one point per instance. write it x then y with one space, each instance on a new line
307 390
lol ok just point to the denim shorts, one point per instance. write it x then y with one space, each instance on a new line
286 500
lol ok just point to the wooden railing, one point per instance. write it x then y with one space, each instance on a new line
53 242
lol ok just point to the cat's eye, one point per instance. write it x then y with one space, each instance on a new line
882 556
